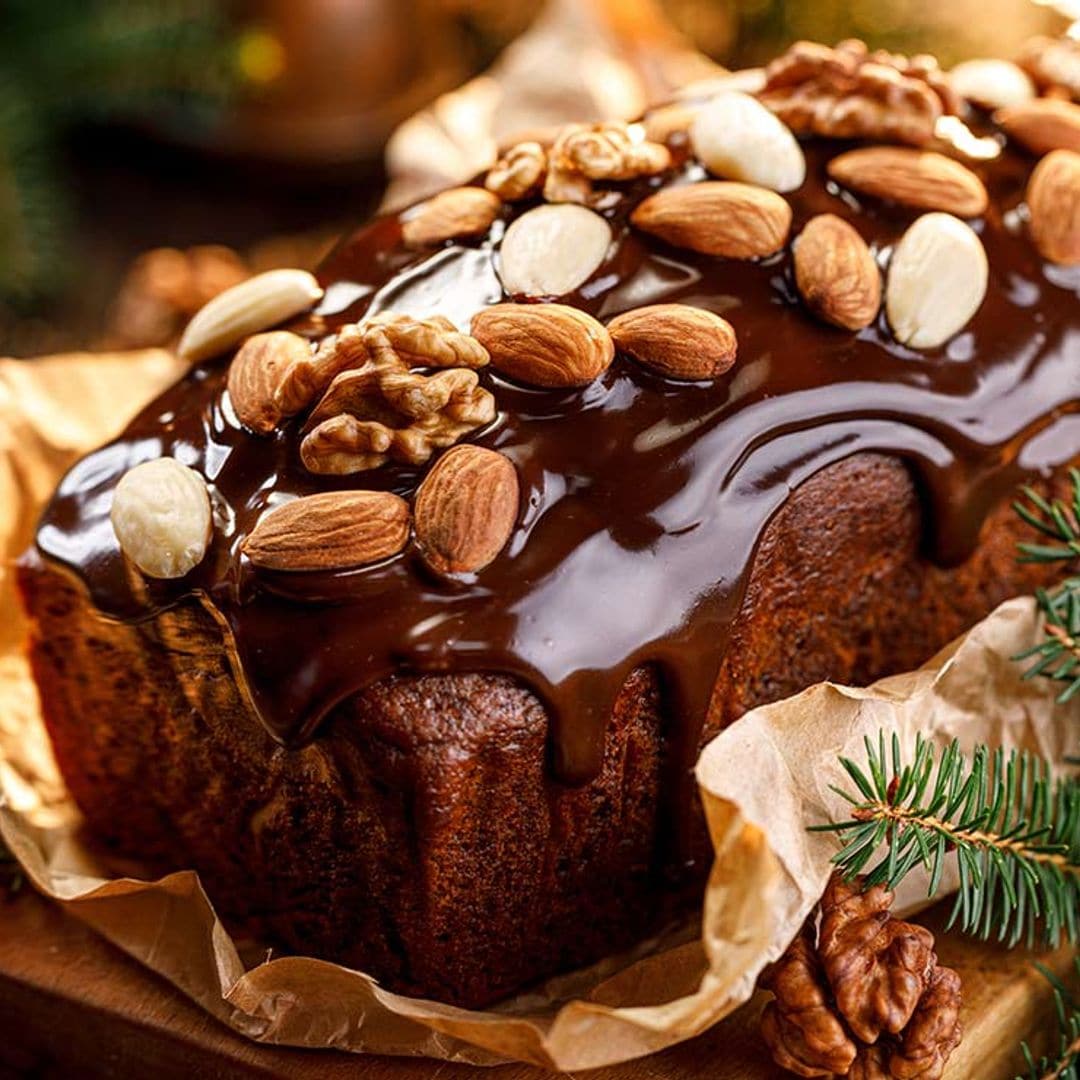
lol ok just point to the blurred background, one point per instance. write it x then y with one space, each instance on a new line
153 152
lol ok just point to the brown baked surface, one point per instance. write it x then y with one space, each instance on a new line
421 836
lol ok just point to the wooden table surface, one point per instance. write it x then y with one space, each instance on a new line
73 1006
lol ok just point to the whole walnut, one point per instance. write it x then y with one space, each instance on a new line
866 999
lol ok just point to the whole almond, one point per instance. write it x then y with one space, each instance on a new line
1042 125
1053 198
260 377
937 281
257 304
552 249
918 178
736 137
162 518
465 509
459 212
334 530
544 344
836 273
717 217
676 340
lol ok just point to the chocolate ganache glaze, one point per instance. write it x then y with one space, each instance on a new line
643 499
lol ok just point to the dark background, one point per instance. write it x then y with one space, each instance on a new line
128 125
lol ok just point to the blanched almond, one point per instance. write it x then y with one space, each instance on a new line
1042 125
717 217
459 212
676 340
937 281
836 273
334 530
544 344
257 304
918 178
1053 198
736 137
465 509
161 516
992 84
552 249
262 376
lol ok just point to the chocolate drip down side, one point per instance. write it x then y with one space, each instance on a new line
643 499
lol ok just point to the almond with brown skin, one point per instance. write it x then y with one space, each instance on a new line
836 273
465 509
261 378
1042 125
334 530
461 211
918 178
717 217
1053 198
676 340
544 344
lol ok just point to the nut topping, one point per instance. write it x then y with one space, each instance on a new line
992 84
161 516
717 217
851 93
450 215
377 409
1053 197
921 179
465 510
608 151
836 274
519 173
868 1000
257 304
1054 63
676 340
737 138
334 530
1042 125
551 250
937 281
264 379
544 344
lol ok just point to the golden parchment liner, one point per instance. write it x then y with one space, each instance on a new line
762 782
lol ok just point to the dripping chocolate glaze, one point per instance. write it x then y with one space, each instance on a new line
643 500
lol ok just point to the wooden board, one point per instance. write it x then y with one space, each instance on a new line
71 1005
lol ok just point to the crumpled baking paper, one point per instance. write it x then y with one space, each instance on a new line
763 781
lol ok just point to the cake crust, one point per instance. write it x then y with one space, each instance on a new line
421 836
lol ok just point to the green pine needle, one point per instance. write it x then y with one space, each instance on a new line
1063 1063
1016 832
1057 656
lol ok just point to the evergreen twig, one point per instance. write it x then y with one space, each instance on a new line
1063 1062
1057 656
1016 832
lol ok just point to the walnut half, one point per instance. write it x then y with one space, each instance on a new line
852 93
867 999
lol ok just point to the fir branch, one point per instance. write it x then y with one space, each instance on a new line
1016 832
1057 656
1063 1063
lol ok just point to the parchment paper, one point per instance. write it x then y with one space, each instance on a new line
762 782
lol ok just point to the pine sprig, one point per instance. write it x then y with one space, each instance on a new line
1016 832
1063 1063
1057 656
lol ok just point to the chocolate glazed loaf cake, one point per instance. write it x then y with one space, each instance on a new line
404 624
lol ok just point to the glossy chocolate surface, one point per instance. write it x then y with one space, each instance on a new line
643 499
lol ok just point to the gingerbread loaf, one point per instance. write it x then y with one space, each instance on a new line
403 616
